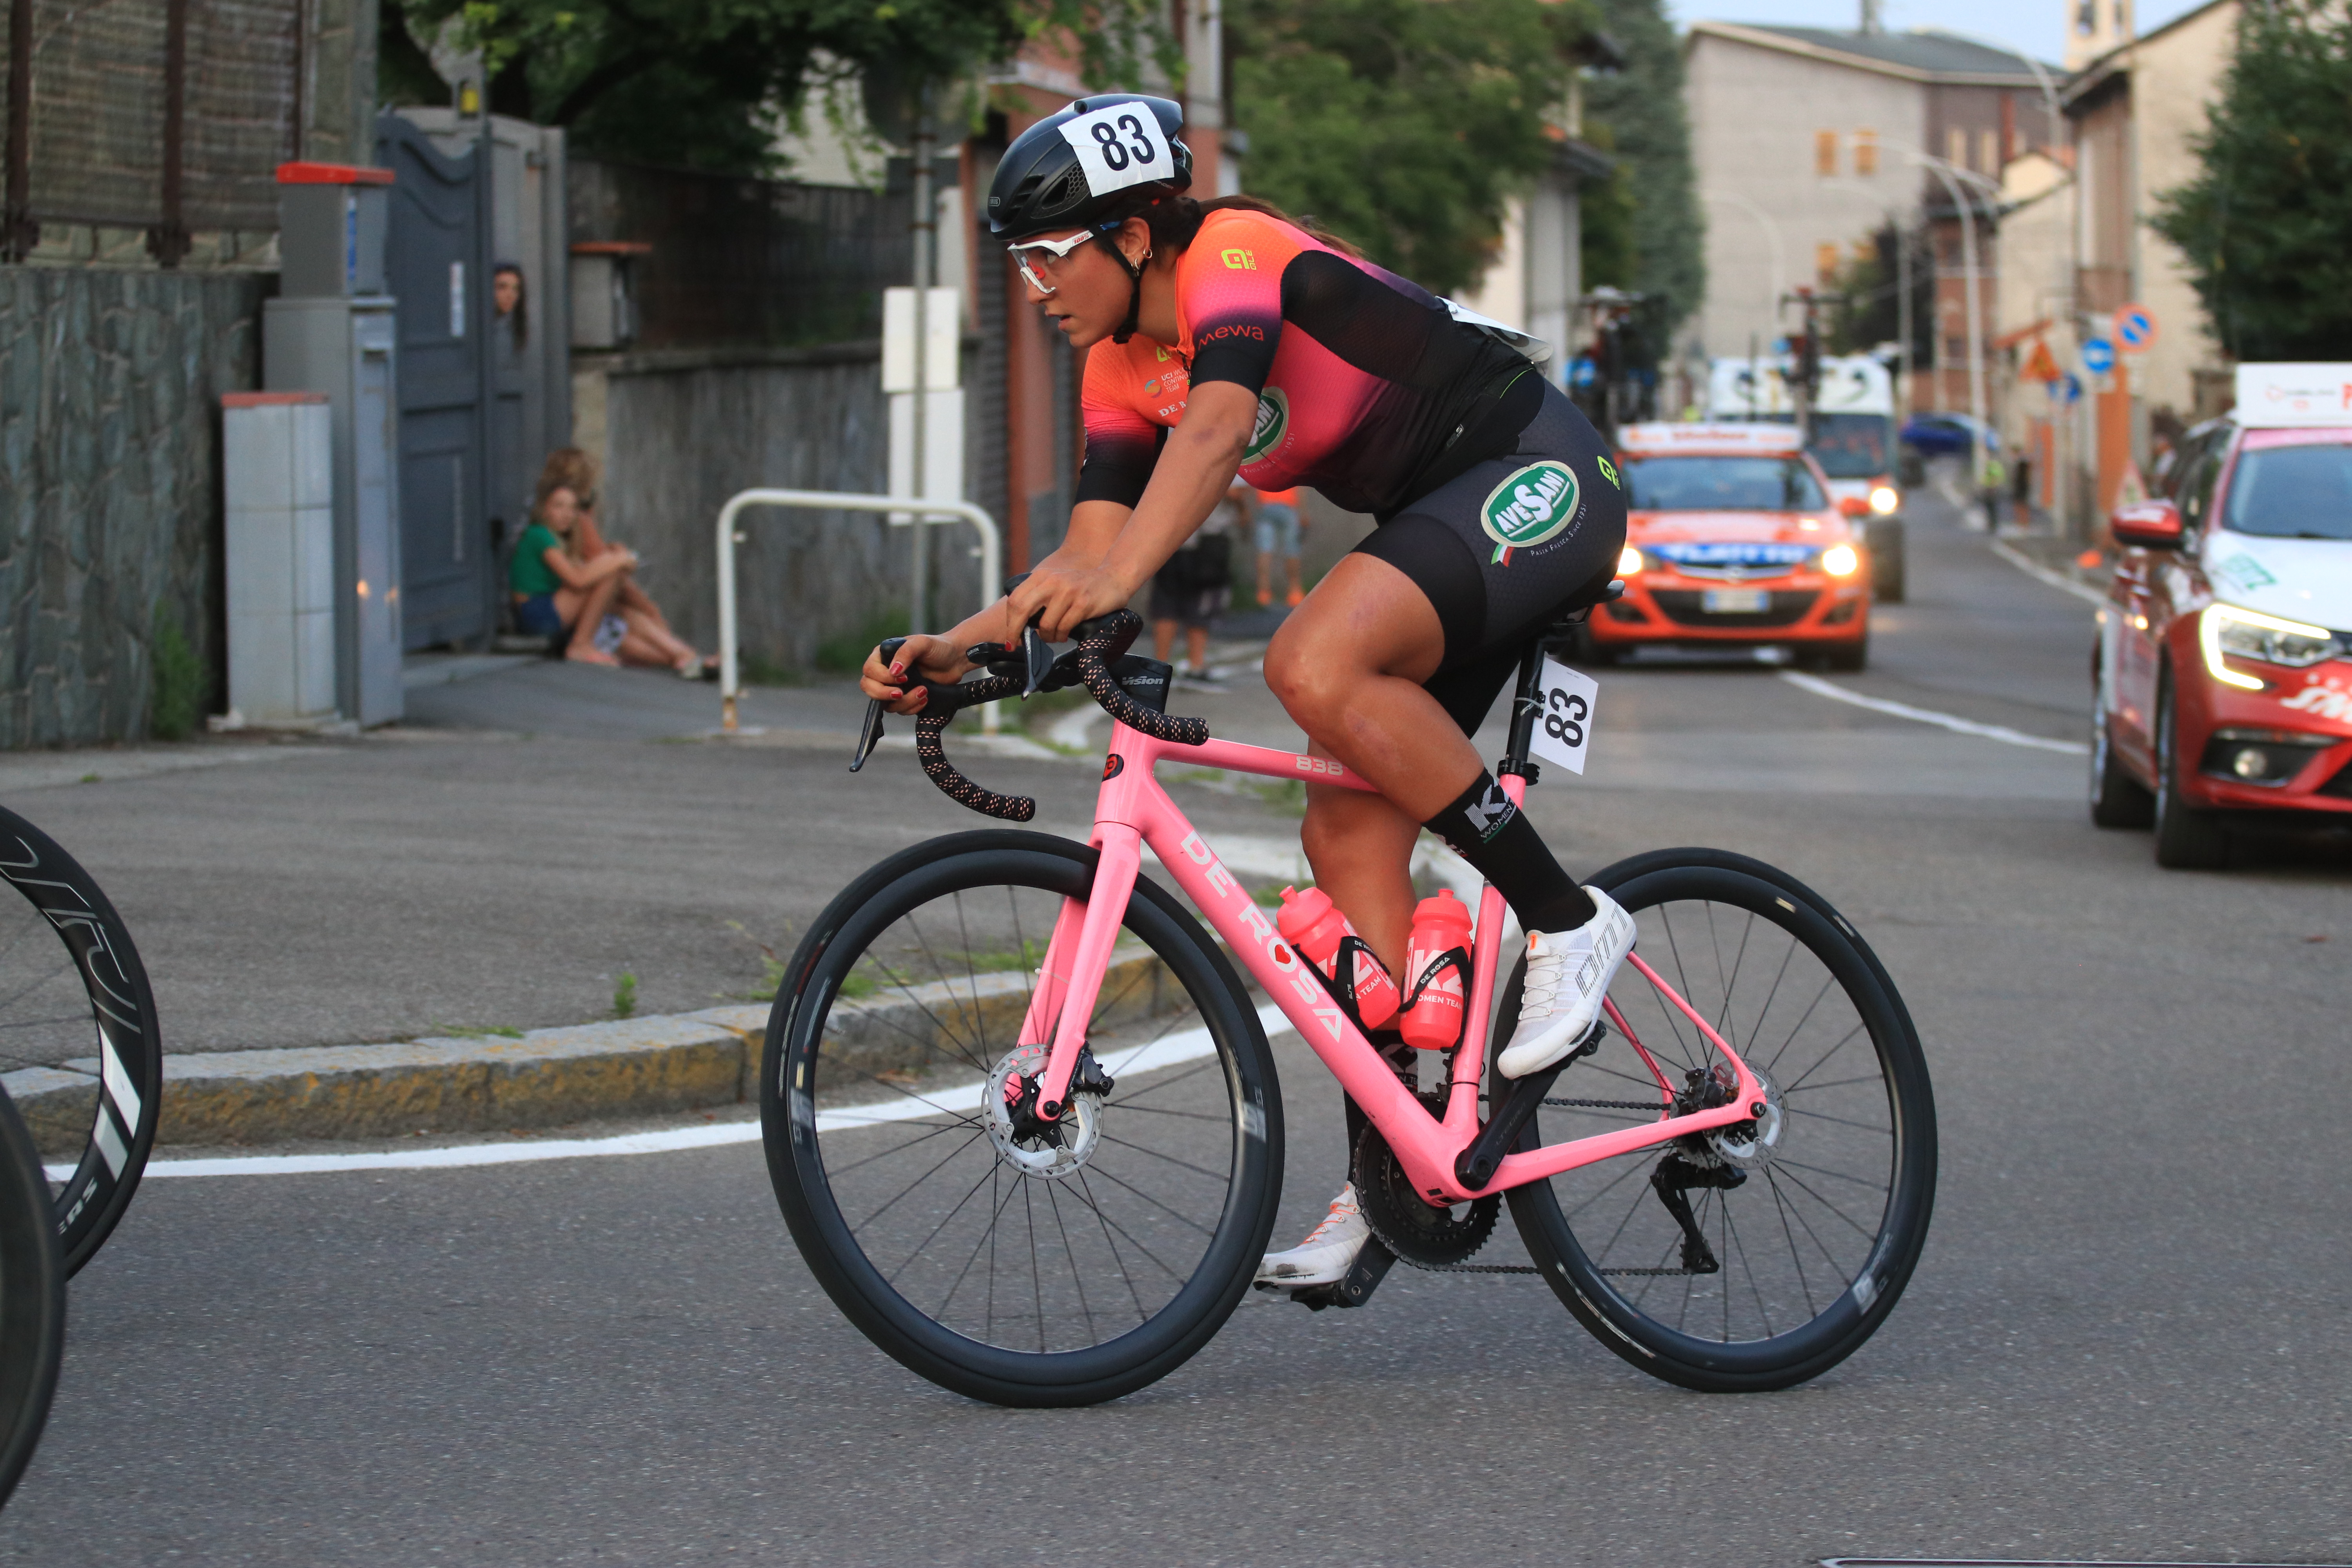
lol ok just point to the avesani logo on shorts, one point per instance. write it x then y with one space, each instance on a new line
1273 423
1529 507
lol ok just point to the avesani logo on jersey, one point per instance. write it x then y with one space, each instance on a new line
1273 420
1529 507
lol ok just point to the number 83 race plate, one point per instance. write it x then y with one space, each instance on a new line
1564 728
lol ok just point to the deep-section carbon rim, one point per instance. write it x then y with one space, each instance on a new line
1807 1223
1003 1266
76 1020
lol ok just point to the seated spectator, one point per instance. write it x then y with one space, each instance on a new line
649 641
557 595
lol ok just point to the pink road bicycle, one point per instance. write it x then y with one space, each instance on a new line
1023 1120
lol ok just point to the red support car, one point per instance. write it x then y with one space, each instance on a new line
1731 540
2223 680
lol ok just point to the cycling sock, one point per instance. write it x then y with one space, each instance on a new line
1496 836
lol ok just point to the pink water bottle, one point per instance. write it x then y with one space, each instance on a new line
1437 960
1310 922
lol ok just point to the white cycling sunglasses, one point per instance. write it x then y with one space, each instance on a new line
1059 248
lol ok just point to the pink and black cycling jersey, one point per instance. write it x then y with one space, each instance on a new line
1364 379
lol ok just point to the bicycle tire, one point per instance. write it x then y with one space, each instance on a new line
1607 1278
32 1298
50 1004
861 1266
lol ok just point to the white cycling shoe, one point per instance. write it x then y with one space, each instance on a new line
1569 973
1328 1251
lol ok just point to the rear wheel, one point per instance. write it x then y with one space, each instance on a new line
1762 1256
78 1035
2187 839
1010 1260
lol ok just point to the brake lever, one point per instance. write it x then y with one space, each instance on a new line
1038 656
870 735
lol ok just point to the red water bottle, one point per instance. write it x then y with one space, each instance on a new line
1437 962
1310 922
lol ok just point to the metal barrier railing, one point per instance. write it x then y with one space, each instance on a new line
925 513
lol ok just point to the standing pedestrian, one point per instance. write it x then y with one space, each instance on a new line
1278 528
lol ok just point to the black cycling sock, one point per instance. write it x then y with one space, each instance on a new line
1496 836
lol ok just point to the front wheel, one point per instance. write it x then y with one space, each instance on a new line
32 1300
2187 839
1008 1259
1762 1256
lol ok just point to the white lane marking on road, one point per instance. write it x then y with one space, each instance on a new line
1959 726
1149 1057
2039 572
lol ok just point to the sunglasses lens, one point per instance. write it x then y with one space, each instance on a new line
1030 273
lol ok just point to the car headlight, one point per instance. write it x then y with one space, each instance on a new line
1628 561
1840 560
2249 634
1884 499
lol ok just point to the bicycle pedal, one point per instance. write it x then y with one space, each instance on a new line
1364 1276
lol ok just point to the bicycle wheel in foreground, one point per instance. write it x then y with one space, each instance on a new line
1005 1260
32 1300
1763 1255
74 1000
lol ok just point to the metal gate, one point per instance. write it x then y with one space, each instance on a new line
437 264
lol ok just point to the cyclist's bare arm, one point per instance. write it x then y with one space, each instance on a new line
1109 553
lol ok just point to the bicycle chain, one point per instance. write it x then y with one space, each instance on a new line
1529 1267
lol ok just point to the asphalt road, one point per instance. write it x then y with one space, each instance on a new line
2129 1338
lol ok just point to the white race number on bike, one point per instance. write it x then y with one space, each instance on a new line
1564 728
1119 146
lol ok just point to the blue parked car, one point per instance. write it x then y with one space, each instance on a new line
1945 434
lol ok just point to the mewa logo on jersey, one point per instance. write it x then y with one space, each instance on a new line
1529 507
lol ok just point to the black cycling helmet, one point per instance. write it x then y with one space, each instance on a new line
1042 183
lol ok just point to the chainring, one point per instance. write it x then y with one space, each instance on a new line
1422 1235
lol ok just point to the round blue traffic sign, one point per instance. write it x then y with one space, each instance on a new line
2098 356
2067 388
2136 325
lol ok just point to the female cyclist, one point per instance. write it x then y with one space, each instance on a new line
1224 338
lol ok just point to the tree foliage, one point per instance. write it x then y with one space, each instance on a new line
2264 225
1642 106
1403 124
704 83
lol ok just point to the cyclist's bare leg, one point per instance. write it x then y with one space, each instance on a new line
1349 664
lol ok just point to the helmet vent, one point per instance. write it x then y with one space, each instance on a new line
1066 192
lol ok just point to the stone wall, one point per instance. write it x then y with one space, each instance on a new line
109 485
680 431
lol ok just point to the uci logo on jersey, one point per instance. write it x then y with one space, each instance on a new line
1529 507
1273 423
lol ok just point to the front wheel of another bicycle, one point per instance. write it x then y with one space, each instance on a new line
1762 1255
1006 1257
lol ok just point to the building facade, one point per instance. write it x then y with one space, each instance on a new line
1807 141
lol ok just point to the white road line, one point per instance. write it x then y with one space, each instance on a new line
2041 573
1953 722
1163 1053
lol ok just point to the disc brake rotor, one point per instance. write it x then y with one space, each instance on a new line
1417 1232
1751 1146
1050 1150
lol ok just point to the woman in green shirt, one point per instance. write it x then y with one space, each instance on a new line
555 593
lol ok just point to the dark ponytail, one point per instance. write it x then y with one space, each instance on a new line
1174 220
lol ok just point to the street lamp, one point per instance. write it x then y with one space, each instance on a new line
1902 286
1950 177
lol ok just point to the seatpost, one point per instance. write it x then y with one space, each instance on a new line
1527 706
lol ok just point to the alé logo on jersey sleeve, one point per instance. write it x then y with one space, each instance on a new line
1529 507
1273 424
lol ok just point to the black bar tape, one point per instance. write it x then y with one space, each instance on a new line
929 750
1110 637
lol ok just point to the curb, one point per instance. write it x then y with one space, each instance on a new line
549 1077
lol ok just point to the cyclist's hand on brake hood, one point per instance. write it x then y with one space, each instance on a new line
919 658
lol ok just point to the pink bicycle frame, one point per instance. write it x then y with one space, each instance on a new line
1133 810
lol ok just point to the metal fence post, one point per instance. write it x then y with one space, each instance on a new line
926 513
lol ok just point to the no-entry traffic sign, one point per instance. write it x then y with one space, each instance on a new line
2135 328
2098 356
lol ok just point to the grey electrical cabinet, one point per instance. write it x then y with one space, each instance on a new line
331 330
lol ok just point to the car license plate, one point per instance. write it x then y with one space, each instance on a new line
1736 601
